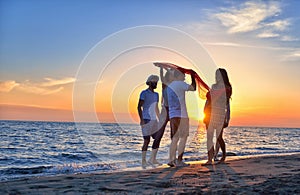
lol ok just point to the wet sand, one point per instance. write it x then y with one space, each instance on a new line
256 175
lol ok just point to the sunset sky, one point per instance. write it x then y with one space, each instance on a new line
49 48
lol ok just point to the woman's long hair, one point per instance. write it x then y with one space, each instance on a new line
226 82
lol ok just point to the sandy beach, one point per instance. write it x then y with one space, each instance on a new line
256 175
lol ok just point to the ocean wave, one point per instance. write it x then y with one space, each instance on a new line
266 148
20 172
24 170
78 168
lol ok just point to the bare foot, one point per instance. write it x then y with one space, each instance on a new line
222 161
181 164
172 164
207 163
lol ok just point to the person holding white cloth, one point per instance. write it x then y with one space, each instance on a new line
179 120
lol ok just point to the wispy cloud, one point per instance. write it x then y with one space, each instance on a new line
54 82
224 44
260 17
293 55
280 25
289 38
248 17
7 86
50 86
268 34
231 44
286 53
36 88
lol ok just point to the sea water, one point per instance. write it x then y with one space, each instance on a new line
30 149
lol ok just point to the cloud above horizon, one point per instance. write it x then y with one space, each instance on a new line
259 16
54 82
248 24
7 86
293 55
50 86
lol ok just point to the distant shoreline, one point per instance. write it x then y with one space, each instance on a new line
17 120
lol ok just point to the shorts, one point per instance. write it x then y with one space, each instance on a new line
150 127
179 127
163 118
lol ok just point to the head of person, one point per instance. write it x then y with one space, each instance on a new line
168 76
222 76
178 75
152 81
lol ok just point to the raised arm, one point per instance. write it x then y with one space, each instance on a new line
162 78
193 86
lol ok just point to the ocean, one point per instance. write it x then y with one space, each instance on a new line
30 149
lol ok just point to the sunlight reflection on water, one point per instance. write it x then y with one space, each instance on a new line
42 144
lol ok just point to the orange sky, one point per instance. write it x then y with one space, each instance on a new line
257 99
112 106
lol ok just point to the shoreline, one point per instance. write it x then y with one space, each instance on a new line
135 167
239 175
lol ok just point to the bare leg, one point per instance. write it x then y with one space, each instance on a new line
217 147
174 123
181 147
210 155
173 148
210 144
144 152
158 136
145 145
223 147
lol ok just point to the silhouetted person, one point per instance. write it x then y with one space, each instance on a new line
148 113
164 115
179 120
217 113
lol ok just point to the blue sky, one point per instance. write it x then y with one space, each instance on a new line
43 42
43 35
38 36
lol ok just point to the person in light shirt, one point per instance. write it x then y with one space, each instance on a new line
179 120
